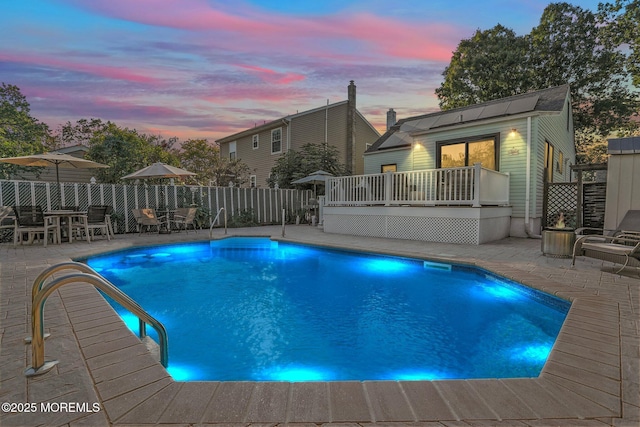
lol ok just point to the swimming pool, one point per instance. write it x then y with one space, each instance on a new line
252 309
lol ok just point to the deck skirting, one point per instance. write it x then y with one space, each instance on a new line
465 225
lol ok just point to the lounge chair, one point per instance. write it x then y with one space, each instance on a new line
31 220
185 217
620 249
148 218
630 224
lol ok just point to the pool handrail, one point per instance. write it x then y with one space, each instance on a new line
71 265
214 222
39 365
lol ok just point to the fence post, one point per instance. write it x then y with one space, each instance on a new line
388 188
476 184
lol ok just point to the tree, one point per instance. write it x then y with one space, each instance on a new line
570 45
125 151
297 164
621 20
79 134
198 156
20 134
491 64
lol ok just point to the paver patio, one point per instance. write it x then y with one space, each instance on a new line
591 377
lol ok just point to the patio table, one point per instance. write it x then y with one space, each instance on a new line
165 227
67 217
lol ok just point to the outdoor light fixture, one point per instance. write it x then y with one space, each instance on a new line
513 131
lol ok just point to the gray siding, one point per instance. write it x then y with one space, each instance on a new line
365 134
315 127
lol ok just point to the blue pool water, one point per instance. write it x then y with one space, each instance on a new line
249 309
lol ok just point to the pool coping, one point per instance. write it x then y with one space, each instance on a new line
581 379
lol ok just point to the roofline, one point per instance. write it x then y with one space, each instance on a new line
368 123
437 113
252 131
275 123
484 121
394 148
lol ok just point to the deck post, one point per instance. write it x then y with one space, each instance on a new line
388 188
476 184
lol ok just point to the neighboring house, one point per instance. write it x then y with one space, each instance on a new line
339 124
66 174
520 141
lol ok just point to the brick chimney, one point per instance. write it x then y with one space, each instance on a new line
351 128
391 118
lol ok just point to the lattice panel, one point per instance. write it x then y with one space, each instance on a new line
561 197
356 225
448 230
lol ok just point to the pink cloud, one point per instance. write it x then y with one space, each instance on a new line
309 35
105 71
271 76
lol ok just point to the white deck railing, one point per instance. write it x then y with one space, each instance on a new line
472 185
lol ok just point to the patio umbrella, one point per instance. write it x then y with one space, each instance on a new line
159 170
58 160
317 177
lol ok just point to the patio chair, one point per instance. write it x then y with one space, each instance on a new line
148 218
108 212
7 222
620 249
185 217
31 220
96 220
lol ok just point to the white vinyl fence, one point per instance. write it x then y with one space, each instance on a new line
264 204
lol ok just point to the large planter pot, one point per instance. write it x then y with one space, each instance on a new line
558 242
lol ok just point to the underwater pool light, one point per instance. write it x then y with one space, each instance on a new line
182 372
419 375
533 353
296 374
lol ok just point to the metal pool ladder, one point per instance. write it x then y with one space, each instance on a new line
214 222
40 292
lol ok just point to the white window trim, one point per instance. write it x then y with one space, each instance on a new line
253 181
255 141
235 150
280 151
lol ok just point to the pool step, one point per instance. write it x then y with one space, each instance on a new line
244 243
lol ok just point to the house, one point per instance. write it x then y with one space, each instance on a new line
339 124
466 175
48 174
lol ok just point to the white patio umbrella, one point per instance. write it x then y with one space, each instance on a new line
159 170
317 177
58 160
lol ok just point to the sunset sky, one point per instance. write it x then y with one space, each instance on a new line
207 69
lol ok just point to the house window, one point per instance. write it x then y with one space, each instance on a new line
467 152
560 165
276 141
232 150
254 141
548 161
389 168
252 181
